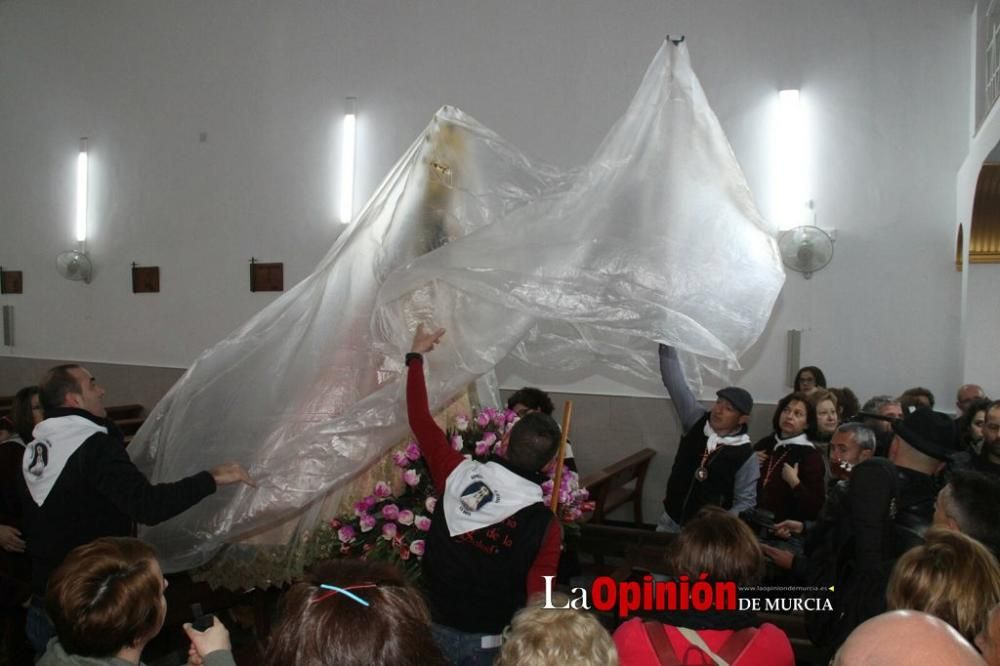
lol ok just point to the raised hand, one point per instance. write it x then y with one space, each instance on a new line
424 340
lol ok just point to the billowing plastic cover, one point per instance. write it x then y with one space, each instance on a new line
656 238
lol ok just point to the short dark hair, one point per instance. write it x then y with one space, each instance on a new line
56 383
974 502
532 398
816 373
21 413
908 398
105 596
847 402
534 439
810 412
719 544
318 627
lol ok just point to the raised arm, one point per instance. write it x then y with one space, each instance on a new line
441 458
117 478
685 402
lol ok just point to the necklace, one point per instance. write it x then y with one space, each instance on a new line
773 465
701 474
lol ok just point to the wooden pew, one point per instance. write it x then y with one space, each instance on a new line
618 484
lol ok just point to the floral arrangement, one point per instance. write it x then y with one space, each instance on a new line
392 526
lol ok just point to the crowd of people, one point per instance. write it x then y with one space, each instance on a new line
888 508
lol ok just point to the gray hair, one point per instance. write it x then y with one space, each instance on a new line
862 434
878 402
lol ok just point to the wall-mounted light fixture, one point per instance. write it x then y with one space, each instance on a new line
348 139
81 191
792 202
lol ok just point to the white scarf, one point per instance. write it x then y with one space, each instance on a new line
56 439
716 440
479 495
798 440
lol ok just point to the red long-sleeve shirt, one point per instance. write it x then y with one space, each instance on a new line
442 460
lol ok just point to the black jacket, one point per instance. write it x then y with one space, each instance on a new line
98 492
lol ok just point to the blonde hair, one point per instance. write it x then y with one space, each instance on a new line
539 636
822 394
951 576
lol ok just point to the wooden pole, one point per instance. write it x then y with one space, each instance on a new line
557 479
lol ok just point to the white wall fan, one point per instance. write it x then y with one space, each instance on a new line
75 265
805 249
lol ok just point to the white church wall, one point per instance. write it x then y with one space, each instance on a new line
886 86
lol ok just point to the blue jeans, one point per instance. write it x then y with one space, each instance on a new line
465 649
38 626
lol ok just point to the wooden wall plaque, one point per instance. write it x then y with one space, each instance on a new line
145 279
11 282
267 276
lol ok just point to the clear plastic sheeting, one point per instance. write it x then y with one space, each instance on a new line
656 238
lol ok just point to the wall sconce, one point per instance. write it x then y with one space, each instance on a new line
81 191
348 141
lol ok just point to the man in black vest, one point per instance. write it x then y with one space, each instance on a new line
714 463
492 540
80 484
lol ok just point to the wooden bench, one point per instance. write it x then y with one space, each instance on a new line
122 412
618 484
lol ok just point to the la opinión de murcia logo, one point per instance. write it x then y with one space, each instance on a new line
607 594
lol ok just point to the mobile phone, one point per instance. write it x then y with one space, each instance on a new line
201 621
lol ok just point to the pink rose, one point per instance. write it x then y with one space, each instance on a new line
456 442
346 534
382 490
482 448
413 451
461 423
399 457
511 416
390 512
361 507
430 503
417 547
367 522
411 478
483 419
490 438
423 523
388 531
405 517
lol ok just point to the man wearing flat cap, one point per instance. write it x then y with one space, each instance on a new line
714 462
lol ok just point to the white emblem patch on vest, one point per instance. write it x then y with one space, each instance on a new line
478 495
